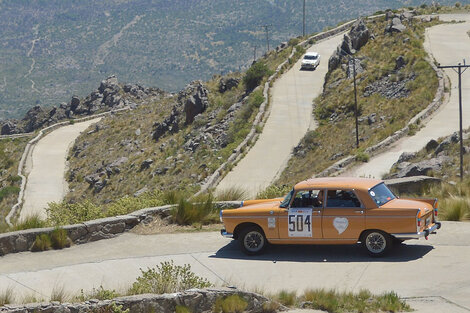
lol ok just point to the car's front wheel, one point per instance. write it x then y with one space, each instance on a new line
377 243
252 240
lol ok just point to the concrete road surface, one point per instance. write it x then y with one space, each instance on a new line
47 164
430 273
289 120
449 44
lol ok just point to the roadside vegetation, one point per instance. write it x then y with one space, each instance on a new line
453 193
10 155
168 277
334 138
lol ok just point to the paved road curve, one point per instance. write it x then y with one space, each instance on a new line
449 44
289 120
437 270
47 164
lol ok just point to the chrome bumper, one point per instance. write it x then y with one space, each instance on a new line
224 233
420 234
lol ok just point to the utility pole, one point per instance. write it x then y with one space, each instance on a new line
266 29
254 53
459 71
303 25
355 102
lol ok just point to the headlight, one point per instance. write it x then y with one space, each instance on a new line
220 216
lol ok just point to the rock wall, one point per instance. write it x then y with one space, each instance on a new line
196 300
94 230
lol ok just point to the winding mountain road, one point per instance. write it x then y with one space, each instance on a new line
450 45
434 275
46 166
288 121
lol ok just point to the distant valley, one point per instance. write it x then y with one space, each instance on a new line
51 50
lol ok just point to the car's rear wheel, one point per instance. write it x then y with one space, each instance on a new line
252 240
377 243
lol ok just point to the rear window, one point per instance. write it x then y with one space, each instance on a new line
310 57
381 194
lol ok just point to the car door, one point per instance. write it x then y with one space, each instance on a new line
301 221
343 215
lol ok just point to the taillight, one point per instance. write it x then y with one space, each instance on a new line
435 212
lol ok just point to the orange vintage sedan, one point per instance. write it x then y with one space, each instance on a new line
335 210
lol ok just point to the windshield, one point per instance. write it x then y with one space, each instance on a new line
310 57
381 194
286 200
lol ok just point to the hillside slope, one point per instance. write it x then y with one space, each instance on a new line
50 50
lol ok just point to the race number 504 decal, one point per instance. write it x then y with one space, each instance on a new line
299 222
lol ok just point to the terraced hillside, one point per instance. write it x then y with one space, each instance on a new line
394 83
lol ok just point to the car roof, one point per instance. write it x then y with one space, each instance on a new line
338 182
312 53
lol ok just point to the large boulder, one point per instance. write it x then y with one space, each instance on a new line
395 26
227 84
196 100
9 127
357 37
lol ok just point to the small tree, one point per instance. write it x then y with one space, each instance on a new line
255 75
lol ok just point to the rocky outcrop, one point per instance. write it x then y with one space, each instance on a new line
194 97
107 97
357 37
195 300
395 26
389 88
228 83
169 125
437 158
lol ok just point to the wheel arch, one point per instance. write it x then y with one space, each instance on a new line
365 231
241 226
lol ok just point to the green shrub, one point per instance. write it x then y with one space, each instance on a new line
59 294
255 74
182 309
166 278
361 156
230 304
294 41
59 239
334 301
455 208
31 221
273 191
200 210
42 243
72 213
8 190
231 194
286 298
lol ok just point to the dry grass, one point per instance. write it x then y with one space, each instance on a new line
7 296
10 155
163 226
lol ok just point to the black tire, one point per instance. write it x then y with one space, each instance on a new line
377 243
252 240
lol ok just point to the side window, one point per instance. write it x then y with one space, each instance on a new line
308 199
342 199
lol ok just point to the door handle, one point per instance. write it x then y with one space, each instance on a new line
359 211
318 212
